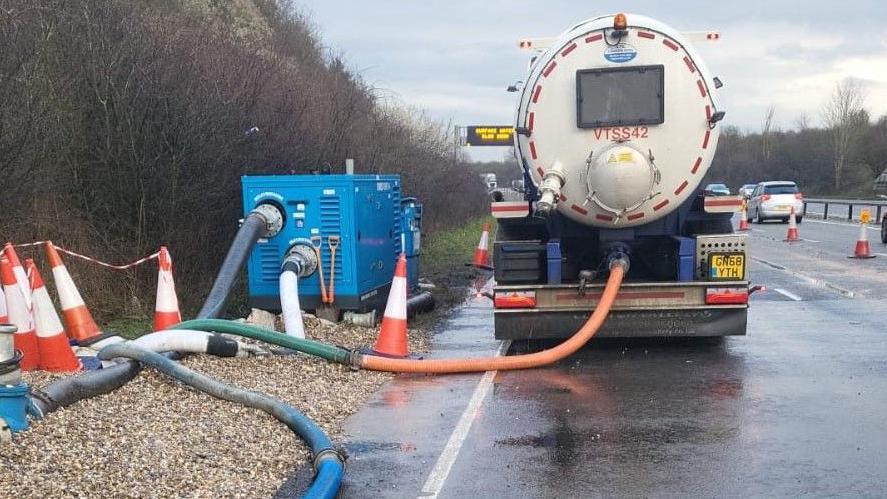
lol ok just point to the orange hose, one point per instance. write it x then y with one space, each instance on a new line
526 361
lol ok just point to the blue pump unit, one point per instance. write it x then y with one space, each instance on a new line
411 228
366 214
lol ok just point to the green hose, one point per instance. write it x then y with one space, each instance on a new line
322 350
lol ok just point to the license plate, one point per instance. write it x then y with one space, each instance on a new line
783 207
726 266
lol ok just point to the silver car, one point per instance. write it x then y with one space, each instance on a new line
775 200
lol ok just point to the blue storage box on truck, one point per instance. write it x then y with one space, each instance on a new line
363 211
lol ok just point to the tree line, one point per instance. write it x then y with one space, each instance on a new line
127 124
840 158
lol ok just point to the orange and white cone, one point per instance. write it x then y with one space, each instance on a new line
792 234
20 316
482 253
56 354
166 308
743 218
862 250
392 340
19 271
4 317
78 321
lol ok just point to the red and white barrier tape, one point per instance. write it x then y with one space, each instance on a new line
93 260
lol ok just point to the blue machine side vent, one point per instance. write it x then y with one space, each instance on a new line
269 258
396 241
331 225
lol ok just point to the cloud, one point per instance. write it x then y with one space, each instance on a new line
455 58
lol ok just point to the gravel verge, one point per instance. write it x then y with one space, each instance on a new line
157 438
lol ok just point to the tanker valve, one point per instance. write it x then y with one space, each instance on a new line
550 189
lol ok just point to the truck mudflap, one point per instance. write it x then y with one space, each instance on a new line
640 310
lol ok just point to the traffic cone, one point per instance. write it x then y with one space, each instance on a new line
792 235
20 316
166 307
56 354
20 276
392 340
743 218
482 253
4 317
78 321
862 244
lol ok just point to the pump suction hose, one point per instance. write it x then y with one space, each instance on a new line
255 226
263 221
329 464
618 268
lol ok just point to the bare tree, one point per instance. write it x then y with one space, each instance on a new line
766 127
845 117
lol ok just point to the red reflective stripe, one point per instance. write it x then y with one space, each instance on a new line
533 150
670 44
645 34
549 69
536 93
660 205
531 119
571 47
689 64
705 140
579 209
681 187
636 216
604 218
593 38
707 112
541 171
563 198
701 87
698 162
521 207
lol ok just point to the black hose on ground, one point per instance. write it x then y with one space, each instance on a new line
254 227
329 463
72 389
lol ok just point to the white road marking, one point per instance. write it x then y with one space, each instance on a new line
816 282
810 240
880 254
787 294
869 227
435 482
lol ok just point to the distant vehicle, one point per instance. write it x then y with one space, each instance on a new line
717 190
746 190
775 200
490 180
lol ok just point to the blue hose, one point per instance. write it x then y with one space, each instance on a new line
328 462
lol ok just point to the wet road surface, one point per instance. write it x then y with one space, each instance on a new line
796 407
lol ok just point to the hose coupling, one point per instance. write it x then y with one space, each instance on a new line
300 259
550 189
329 453
273 218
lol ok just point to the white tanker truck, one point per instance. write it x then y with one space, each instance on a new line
616 126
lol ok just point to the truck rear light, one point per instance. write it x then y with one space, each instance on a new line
515 299
799 195
765 197
726 296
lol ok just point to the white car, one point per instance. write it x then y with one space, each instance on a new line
775 200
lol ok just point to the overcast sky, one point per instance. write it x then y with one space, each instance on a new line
454 58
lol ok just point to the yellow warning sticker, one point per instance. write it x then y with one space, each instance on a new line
625 157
